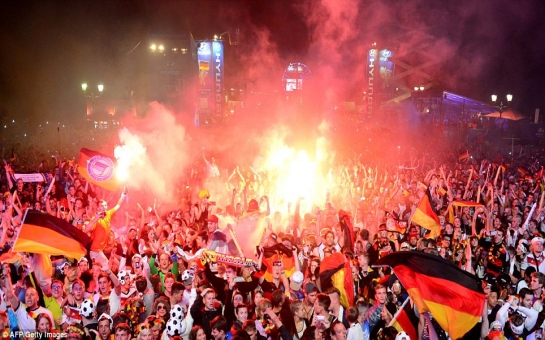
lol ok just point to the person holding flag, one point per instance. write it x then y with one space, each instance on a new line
100 227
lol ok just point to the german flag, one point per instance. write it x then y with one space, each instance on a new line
425 217
463 157
98 169
460 204
346 227
453 296
406 320
335 272
278 253
522 171
45 234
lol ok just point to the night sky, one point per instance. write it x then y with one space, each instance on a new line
50 47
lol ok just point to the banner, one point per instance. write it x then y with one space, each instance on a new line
237 261
211 73
36 177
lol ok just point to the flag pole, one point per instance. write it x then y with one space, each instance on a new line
22 225
398 312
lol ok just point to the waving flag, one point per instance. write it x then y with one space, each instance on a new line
463 157
405 320
335 272
45 234
98 169
425 217
453 296
278 253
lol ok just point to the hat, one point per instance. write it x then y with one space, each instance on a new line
310 287
203 193
382 227
537 239
253 206
405 246
212 218
296 280
324 232
496 325
83 259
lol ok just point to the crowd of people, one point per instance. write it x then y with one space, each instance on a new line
152 274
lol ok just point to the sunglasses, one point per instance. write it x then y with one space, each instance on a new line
161 307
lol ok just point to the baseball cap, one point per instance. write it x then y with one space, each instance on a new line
296 280
212 218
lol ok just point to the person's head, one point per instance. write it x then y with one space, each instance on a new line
311 292
230 272
144 332
241 312
202 239
89 283
338 331
56 288
238 298
31 298
137 264
352 314
161 307
122 332
249 327
169 281
83 264
209 298
164 261
197 333
335 296
380 294
263 305
219 327
526 297
105 324
321 306
537 281
43 323
103 283
177 293
363 307
493 297
537 245
296 308
212 223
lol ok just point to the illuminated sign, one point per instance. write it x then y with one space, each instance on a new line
371 60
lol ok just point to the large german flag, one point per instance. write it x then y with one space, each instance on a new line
425 217
49 235
98 169
335 272
453 296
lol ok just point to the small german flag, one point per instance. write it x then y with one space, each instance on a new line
463 157
406 320
278 253
453 296
522 171
45 234
425 217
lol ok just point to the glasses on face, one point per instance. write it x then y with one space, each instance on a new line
56 287
159 307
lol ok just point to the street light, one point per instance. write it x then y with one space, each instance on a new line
92 96
502 107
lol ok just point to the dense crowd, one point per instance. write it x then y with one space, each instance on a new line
152 274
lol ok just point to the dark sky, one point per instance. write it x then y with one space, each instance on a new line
49 47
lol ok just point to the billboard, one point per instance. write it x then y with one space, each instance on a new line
371 79
211 78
